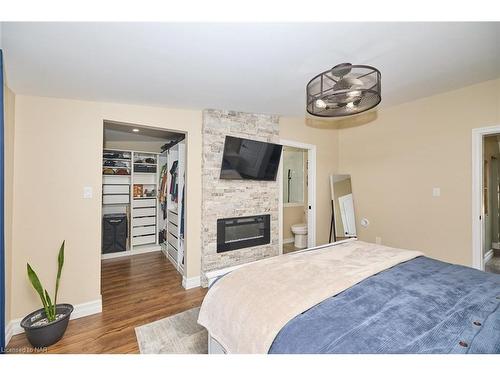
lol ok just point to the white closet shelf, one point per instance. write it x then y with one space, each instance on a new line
116 159
143 240
115 179
150 164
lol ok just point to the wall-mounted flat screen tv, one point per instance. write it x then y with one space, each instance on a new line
245 159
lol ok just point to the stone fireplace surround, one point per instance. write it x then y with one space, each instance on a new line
234 198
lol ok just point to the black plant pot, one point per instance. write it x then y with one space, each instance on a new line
41 336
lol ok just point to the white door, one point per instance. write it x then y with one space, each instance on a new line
346 205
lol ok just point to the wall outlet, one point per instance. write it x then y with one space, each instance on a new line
378 240
436 192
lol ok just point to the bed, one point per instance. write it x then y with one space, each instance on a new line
352 297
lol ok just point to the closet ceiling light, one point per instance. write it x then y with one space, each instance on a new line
344 90
135 130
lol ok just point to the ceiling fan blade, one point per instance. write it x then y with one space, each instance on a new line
347 83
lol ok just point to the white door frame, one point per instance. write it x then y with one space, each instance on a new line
311 192
477 193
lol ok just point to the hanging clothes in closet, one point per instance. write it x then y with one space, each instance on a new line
163 190
174 187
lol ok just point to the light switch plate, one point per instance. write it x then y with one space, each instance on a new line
87 192
436 192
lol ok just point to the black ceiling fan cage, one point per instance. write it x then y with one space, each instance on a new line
344 90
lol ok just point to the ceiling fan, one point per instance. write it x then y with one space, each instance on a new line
344 90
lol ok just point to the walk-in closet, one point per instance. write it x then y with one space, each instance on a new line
143 194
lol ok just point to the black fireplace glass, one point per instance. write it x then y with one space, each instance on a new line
240 232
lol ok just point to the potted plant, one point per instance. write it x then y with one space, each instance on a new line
46 326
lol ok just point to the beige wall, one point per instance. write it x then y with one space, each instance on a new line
292 215
9 106
57 152
325 137
396 160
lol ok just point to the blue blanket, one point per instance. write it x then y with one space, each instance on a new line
420 306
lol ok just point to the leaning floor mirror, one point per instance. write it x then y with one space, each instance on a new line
343 221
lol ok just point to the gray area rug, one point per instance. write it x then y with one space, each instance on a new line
176 334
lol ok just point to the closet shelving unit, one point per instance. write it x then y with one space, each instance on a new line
120 195
173 246
116 187
144 203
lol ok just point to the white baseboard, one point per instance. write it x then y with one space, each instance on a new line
9 330
488 256
80 310
87 308
288 240
191 282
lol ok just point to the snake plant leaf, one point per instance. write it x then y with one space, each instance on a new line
38 287
60 264
50 307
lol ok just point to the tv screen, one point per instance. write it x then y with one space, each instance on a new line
245 159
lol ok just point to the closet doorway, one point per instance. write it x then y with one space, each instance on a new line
143 187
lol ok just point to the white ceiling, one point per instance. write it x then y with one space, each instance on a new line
247 67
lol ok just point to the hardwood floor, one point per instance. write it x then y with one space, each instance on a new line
135 290
493 264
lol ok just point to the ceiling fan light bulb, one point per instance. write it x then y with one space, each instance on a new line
320 103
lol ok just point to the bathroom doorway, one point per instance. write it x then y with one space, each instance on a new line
297 203
491 204
486 199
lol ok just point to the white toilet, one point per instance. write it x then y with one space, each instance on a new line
300 233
